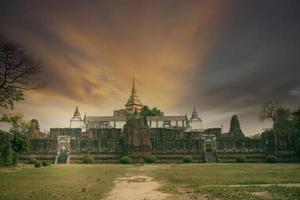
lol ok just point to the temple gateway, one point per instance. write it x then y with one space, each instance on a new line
169 138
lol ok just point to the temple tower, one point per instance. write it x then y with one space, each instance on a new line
195 123
134 103
76 120
235 128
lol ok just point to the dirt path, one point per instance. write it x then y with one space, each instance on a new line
137 188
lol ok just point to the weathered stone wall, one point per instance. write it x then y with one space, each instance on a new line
73 132
175 141
251 156
98 141
229 144
42 146
168 145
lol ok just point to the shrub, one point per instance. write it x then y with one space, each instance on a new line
187 159
88 159
20 142
6 150
46 163
297 146
37 164
15 158
125 160
271 159
240 159
150 159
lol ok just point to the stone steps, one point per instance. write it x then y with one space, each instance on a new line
211 157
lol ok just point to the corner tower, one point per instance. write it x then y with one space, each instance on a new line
134 103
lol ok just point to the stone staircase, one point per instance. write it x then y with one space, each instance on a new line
211 157
62 158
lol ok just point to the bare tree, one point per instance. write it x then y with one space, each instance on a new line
18 72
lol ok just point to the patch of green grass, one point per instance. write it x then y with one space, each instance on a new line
228 174
65 182
233 193
214 180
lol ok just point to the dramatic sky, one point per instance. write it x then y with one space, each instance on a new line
225 57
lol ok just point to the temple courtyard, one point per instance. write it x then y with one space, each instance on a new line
157 181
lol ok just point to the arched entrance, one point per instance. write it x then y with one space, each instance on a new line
210 148
63 149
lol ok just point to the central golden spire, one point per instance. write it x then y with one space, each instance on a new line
134 103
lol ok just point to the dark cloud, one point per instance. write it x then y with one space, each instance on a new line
257 58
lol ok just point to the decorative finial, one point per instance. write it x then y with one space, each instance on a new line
133 84
76 113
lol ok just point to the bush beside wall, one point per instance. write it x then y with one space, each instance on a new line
125 160
37 164
187 159
88 159
150 159
240 159
271 159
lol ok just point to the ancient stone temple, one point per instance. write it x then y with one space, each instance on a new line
235 128
169 138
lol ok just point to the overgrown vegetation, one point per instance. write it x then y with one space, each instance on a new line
150 159
125 160
146 111
285 122
88 159
37 164
271 159
15 142
46 163
11 144
187 159
241 159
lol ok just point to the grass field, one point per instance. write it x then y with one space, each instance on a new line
232 181
59 182
222 181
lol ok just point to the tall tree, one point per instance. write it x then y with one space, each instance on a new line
274 111
6 151
17 123
18 72
34 125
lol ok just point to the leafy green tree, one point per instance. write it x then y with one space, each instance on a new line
297 145
20 142
17 122
6 151
296 117
146 111
256 136
275 112
34 125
